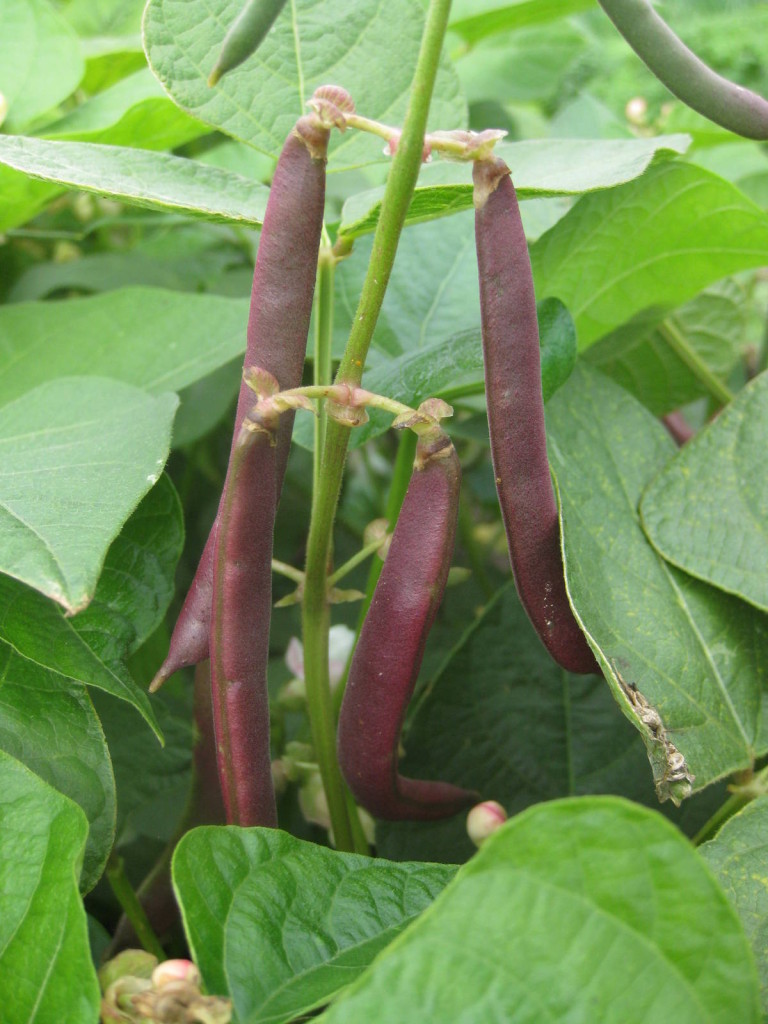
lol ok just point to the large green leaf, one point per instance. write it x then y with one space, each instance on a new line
46 972
155 180
78 455
654 242
453 369
35 631
502 718
707 510
133 112
474 21
670 362
47 721
686 662
540 168
21 197
738 856
283 925
367 48
580 910
40 62
154 339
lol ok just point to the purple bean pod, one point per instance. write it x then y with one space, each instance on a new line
516 416
389 651
240 616
278 324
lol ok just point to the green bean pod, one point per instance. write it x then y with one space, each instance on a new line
246 35
690 79
390 649
516 416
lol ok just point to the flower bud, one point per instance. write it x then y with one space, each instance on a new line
175 970
484 819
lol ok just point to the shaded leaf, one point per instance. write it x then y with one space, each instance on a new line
283 925
706 511
473 24
46 972
695 655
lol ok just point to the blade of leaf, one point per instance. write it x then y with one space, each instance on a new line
540 168
46 972
78 454
366 48
282 925
177 340
706 512
692 652
580 910
141 177
654 242
738 857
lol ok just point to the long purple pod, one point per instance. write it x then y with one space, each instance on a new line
240 615
516 416
278 324
389 651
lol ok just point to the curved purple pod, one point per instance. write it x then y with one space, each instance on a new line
278 324
516 416
240 617
388 655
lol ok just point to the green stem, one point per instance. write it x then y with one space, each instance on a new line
700 370
287 570
316 617
132 909
741 796
326 271
354 561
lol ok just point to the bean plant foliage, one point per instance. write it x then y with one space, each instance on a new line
629 881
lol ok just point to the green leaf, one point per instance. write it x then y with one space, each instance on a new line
689 354
453 369
46 972
579 910
524 731
78 455
133 112
21 197
706 511
696 656
282 925
540 168
368 49
495 16
654 242
47 721
35 630
40 62
151 338
141 177
136 583
738 857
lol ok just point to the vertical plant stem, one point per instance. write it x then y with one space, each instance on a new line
132 909
316 617
326 272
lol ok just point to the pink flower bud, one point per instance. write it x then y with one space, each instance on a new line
483 820
175 970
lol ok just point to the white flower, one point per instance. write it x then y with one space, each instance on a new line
340 641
